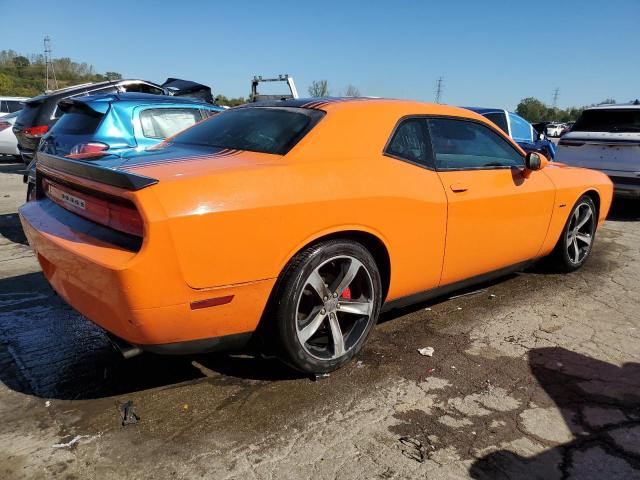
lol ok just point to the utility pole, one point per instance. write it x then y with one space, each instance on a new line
50 71
439 87
555 97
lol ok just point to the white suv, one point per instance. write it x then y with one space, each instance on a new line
607 138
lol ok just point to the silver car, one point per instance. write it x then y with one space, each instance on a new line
607 138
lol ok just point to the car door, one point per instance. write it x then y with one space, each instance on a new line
498 213
420 223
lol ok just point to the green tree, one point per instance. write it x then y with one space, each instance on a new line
534 110
113 75
319 88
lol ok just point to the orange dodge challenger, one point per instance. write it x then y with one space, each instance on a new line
300 220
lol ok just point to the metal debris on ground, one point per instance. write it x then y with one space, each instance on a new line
47 403
359 364
459 308
492 295
426 351
414 449
468 294
74 440
320 376
129 417
428 309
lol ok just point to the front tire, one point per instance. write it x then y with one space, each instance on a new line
576 241
326 303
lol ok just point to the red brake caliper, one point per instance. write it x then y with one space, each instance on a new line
346 294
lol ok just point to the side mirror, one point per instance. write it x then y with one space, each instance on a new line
535 161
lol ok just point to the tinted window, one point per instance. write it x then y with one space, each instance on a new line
410 142
614 120
260 129
165 122
4 107
500 119
13 105
460 144
142 88
78 122
521 130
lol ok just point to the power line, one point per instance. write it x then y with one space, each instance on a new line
50 71
439 88
555 97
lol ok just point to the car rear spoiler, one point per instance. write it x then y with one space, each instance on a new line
96 173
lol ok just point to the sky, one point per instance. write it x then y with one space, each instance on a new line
489 53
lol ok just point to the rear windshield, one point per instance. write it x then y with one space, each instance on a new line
259 129
608 120
77 121
28 114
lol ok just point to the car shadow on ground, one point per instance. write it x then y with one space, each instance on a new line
600 405
50 351
17 168
11 229
624 210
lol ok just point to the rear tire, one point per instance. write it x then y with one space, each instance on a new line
326 303
576 241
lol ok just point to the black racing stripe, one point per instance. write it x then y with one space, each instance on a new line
159 163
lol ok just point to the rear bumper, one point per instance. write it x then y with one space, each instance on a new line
138 296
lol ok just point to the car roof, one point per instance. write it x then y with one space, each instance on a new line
484 110
133 99
618 106
334 103
63 92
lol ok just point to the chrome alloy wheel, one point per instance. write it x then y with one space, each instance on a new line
580 233
334 307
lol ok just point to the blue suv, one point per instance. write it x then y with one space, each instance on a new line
522 132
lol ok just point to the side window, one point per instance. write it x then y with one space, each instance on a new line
462 144
142 88
14 105
410 142
521 130
165 122
4 107
500 119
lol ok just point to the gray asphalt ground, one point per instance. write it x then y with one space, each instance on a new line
536 375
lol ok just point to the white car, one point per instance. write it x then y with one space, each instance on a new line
554 129
8 141
10 104
607 138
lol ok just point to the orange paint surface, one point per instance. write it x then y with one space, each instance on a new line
226 227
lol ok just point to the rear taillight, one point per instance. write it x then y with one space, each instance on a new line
36 131
4 125
88 150
118 214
